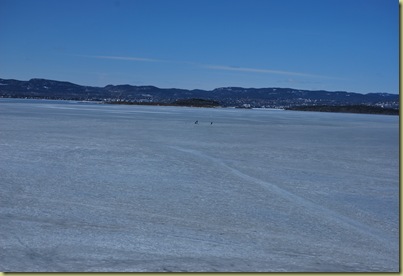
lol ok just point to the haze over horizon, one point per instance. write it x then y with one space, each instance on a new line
329 45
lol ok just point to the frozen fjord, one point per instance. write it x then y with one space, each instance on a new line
87 187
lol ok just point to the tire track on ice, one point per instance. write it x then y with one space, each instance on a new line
307 204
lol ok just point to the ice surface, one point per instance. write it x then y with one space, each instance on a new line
91 187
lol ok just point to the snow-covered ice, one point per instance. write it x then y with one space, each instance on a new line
91 187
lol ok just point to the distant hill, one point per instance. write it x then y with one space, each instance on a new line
225 96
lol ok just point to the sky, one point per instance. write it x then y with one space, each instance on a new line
333 45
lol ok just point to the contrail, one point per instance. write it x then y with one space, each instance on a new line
210 66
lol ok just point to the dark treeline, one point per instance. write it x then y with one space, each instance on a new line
364 109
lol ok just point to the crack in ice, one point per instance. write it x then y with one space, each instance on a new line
308 205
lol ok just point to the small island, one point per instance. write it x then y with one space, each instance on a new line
196 103
363 109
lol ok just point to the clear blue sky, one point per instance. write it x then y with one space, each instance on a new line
335 45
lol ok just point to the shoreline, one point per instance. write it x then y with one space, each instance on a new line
346 109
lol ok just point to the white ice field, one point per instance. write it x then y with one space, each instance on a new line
92 187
